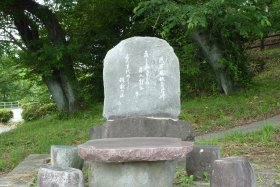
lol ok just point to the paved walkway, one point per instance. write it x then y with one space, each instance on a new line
275 121
17 115
25 173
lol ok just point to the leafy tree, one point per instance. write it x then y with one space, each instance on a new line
94 27
219 27
273 12
45 48
17 85
71 35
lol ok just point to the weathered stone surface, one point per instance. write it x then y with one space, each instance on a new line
141 78
201 160
49 176
31 164
143 127
23 174
232 172
134 149
65 156
136 174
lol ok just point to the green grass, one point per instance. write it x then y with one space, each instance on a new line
263 136
36 137
261 146
260 100
206 114
182 179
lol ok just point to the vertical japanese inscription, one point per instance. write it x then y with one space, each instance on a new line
147 68
127 70
144 75
141 79
122 86
162 79
124 81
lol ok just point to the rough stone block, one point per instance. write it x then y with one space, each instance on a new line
232 172
143 127
201 159
132 174
141 78
65 156
49 176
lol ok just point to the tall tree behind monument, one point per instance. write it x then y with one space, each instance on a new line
51 62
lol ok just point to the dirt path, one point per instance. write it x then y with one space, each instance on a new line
245 128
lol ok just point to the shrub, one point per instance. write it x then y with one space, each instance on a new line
5 115
36 111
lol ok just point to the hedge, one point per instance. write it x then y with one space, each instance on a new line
5 115
36 111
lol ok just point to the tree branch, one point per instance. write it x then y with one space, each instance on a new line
55 32
16 43
13 40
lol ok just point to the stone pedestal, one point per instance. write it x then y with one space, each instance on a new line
232 172
49 176
136 162
65 157
148 174
143 127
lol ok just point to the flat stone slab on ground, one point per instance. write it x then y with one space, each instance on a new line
31 164
134 149
24 174
143 127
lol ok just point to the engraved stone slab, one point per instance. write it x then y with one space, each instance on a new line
141 78
134 149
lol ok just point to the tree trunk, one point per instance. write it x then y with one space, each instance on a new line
262 47
57 93
62 91
214 55
69 93
62 80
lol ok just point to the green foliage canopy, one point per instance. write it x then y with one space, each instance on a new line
227 24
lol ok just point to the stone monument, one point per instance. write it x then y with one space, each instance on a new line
141 78
142 91
142 99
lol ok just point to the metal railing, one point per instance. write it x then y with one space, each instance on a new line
14 104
